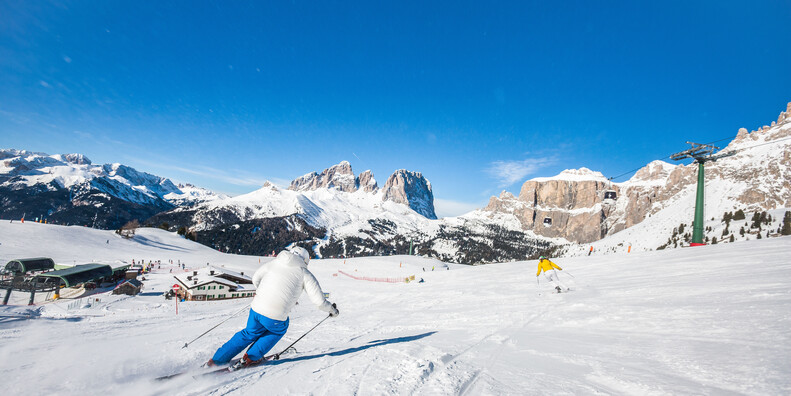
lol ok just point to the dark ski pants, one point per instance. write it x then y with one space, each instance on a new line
261 331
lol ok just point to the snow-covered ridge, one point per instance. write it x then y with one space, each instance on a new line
403 186
653 174
581 174
21 169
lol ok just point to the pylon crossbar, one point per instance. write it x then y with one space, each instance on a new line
699 152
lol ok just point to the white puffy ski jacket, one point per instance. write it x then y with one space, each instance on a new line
279 284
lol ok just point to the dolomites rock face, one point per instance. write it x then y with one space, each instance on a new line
570 200
338 176
410 188
366 182
756 177
403 186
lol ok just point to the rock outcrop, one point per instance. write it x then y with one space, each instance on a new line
403 186
568 205
338 176
412 189
366 182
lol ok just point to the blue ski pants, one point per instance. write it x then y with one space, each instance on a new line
261 331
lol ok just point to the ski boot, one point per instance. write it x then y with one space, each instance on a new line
245 362
209 364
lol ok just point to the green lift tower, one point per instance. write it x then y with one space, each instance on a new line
701 153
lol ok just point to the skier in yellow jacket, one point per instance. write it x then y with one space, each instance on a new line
548 268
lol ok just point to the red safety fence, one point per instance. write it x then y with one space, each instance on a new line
385 280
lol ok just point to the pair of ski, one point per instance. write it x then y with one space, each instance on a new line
228 367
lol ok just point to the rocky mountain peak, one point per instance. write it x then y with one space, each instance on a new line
580 174
774 131
366 182
412 189
76 159
654 171
338 176
506 195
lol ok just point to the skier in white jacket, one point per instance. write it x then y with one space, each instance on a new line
278 283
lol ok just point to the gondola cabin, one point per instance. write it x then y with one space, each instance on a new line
547 222
610 195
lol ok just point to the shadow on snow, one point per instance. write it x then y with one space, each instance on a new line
370 344
160 245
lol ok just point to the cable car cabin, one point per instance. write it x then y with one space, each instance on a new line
610 194
547 222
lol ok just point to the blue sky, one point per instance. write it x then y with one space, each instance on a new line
478 96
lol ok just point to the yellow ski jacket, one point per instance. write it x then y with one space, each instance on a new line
546 265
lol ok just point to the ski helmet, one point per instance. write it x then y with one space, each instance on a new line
541 257
301 252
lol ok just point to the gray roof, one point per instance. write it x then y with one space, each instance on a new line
133 282
30 264
79 273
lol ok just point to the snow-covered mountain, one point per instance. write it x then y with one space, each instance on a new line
403 186
337 213
579 205
68 188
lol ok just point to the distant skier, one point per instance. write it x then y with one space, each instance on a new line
549 272
278 283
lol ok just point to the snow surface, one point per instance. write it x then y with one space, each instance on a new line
581 174
706 320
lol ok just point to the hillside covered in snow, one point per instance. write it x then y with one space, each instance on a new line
704 320
69 189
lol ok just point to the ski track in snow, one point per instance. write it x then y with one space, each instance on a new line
709 320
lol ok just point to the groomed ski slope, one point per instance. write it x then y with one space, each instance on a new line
707 320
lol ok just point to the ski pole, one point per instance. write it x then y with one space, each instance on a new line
537 288
218 324
277 355
567 273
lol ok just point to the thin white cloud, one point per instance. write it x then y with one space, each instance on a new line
449 208
510 172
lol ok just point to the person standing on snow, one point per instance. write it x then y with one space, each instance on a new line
549 272
278 283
